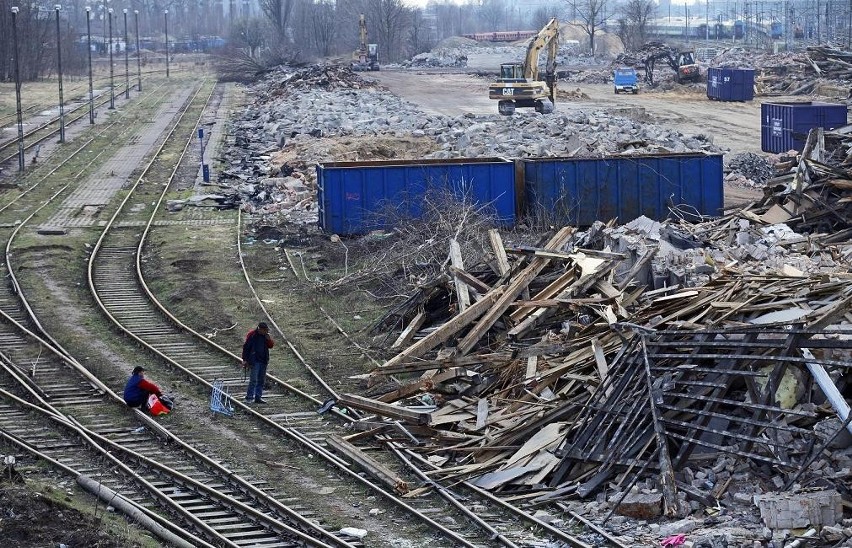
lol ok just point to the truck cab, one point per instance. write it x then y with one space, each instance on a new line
625 79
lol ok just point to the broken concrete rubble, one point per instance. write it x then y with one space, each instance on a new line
800 510
302 117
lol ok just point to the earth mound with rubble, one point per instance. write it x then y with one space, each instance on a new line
30 519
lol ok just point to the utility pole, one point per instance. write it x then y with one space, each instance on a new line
166 15
18 89
59 64
138 52
111 68
91 86
126 60
707 20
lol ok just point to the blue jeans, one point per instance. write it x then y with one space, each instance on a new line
256 380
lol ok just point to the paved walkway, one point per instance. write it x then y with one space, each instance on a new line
82 207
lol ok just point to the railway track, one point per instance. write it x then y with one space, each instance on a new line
489 521
45 130
121 293
74 111
52 407
115 274
498 520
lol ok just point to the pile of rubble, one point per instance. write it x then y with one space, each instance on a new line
325 77
314 114
689 371
438 58
748 170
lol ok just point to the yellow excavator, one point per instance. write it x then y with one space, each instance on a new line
520 86
366 57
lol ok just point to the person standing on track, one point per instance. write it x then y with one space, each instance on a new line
256 356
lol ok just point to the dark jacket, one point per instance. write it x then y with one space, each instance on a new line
137 390
256 348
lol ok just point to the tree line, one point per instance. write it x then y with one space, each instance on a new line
270 31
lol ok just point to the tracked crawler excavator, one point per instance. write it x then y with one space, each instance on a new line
520 86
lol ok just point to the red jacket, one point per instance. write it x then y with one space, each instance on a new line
137 389
256 347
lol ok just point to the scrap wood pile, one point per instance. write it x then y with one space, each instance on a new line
801 73
558 374
815 196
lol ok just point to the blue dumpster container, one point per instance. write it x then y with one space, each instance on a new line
730 84
354 196
785 126
576 191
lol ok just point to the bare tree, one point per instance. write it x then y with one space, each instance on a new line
633 24
323 23
492 13
249 34
542 15
420 35
390 20
591 15
278 12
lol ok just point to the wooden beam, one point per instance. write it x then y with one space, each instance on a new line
462 292
516 287
499 251
471 280
383 409
413 326
367 463
425 384
443 333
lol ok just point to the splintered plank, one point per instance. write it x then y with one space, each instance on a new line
462 291
384 409
515 288
367 463
413 326
499 252
443 333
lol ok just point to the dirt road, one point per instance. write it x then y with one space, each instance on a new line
732 126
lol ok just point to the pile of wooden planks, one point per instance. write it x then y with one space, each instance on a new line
549 371
801 73
815 196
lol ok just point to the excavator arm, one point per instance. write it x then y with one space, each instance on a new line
362 34
547 37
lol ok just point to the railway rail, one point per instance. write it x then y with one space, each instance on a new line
52 407
45 130
492 520
219 502
490 514
74 111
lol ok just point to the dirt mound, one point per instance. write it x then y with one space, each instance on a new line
454 42
31 518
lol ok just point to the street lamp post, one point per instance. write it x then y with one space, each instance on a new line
18 89
106 3
91 86
126 60
59 64
138 52
166 15
111 71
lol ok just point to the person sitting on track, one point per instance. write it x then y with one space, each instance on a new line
138 389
